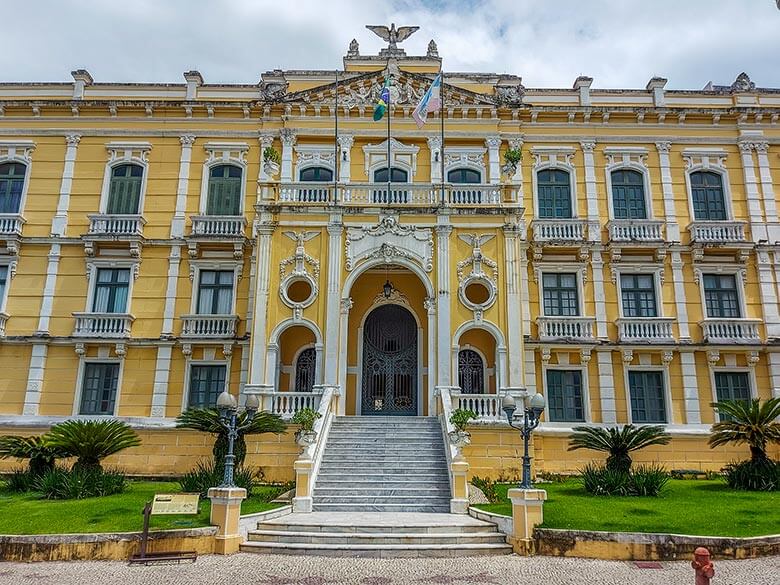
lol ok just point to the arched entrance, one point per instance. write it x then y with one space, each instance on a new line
390 368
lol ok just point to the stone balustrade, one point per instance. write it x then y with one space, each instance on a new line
209 325
645 329
635 230
717 232
731 330
559 230
218 226
11 224
108 325
116 225
566 328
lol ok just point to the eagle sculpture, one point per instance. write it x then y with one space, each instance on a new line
393 35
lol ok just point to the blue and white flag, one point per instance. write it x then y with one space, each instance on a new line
430 102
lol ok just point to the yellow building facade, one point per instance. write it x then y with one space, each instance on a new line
626 267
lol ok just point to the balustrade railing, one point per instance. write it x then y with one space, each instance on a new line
218 226
731 330
647 329
102 324
209 325
286 404
574 328
116 225
306 193
635 230
559 230
486 406
717 232
11 224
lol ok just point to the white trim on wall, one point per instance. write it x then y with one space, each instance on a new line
81 371
664 369
632 158
708 160
223 153
584 388
123 153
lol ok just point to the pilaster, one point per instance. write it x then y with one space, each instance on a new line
35 372
594 222
678 278
757 225
60 222
672 227
47 300
597 265
443 330
333 302
162 370
344 309
493 144
179 218
265 140
345 157
174 261
606 386
768 287
768 191
265 230
514 301
434 145
288 141
530 371
430 307
774 372
690 387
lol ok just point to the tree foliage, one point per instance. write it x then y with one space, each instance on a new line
37 449
618 442
747 422
91 441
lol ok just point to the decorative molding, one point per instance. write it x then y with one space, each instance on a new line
477 275
300 262
226 152
396 298
554 156
387 240
713 357
627 355
403 156
752 359
129 151
19 150
705 158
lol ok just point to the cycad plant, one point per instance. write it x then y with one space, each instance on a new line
618 442
91 441
38 450
751 422
207 420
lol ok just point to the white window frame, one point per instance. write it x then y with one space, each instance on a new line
751 372
223 153
487 372
19 151
92 271
202 362
558 158
664 369
721 269
82 370
578 269
465 157
583 369
122 153
313 155
10 265
656 270
709 160
403 156
633 158
197 266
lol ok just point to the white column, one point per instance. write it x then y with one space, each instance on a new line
768 287
530 371
594 224
525 302
430 307
177 225
514 339
47 300
606 386
162 369
288 141
774 372
768 191
443 330
597 264
690 387
170 292
60 222
493 144
345 157
672 227
344 307
36 369
679 296
333 304
434 146
757 225
265 230
250 311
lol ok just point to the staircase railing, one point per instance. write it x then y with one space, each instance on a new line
456 464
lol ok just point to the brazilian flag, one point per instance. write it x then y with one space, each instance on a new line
383 102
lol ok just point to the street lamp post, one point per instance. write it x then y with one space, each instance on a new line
228 418
531 413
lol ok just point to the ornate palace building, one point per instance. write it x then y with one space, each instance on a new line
153 252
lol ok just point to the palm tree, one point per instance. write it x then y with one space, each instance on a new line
750 422
37 449
207 420
91 441
618 442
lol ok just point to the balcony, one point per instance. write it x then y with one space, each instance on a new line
717 232
645 329
209 326
116 226
103 325
559 231
218 227
487 407
566 328
286 404
731 330
11 224
635 231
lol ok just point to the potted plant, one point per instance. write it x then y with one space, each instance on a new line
271 161
459 418
512 158
306 417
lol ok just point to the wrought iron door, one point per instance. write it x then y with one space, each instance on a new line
390 362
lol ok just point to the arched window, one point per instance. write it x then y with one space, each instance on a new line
316 175
554 191
464 176
709 202
471 372
11 185
305 369
124 193
398 175
628 195
224 197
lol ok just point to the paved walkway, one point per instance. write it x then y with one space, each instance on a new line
288 570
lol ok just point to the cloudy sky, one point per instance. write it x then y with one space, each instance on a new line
621 43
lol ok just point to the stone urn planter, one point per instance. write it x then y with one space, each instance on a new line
271 168
460 438
305 438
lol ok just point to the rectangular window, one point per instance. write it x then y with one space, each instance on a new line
638 295
732 386
720 296
111 289
98 391
648 404
560 295
564 396
215 292
206 384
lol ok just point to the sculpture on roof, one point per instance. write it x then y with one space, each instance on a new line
354 49
392 35
743 83
433 50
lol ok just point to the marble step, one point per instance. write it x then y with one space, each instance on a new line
280 524
406 499
377 491
415 482
346 538
326 478
393 508
356 438
378 550
375 458
368 451
349 471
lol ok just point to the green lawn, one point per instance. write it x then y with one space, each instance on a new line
697 507
27 514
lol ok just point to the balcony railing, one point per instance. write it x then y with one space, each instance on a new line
218 226
11 224
717 232
635 230
645 329
209 325
486 406
731 330
559 230
111 325
286 404
306 193
116 225
566 328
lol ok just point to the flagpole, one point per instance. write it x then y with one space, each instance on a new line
389 115
336 153
441 154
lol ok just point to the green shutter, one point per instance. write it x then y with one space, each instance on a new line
124 195
224 195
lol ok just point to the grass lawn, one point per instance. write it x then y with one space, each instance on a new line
27 514
697 507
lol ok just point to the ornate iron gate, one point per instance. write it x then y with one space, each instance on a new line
390 362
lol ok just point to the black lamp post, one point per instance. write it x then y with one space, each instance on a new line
531 414
228 418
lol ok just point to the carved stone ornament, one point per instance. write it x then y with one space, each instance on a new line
273 90
393 36
628 356
742 83
389 240
510 95
484 272
752 359
354 49
433 50
299 267
396 298
713 357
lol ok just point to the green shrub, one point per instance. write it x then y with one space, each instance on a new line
306 417
643 480
91 441
647 480
460 417
78 483
19 480
488 487
761 475
270 154
207 475
618 442
549 477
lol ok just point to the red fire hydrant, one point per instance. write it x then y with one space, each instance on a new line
705 570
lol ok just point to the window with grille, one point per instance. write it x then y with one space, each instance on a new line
564 396
98 391
709 202
560 295
648 404
11 187
464 176
316 175
638 295
215 292
224 196
554 190
732 386
305 370
720 296
471 372
628 195
206 384
124 193
111 290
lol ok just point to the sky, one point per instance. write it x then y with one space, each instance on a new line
620 43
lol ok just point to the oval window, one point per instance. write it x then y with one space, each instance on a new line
477 293
299 291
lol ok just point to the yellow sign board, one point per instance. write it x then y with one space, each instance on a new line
175 504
